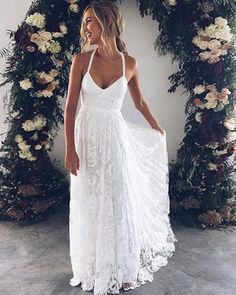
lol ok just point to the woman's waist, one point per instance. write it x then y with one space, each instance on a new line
100 109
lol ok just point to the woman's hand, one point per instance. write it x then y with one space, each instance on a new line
156 126
72 161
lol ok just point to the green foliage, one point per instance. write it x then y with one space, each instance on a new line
202 180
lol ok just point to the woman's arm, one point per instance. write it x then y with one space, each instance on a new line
72 101
138 99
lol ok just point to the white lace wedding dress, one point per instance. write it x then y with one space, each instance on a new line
119 228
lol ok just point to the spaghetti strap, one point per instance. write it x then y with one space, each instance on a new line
91 59
123 63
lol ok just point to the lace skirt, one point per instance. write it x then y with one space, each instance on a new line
119 225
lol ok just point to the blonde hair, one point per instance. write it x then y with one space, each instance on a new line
102 10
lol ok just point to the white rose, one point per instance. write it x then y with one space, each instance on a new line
46 78
47 146
28 125
32 158
230 136
172 2
72 1
40 121
229 123
18 138
47 93
225 34
37 20
43 46
45 35
14 114
211 104
23 146
55 82
210 30
26 84
53 73
199 89
24 154
220 21
63 28
214 44
37 147
225 90
74 8
205 55
57 35
211 96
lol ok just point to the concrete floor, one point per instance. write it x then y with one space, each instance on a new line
35 261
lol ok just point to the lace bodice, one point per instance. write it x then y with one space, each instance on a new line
110 97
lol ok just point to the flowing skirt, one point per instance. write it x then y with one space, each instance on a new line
119 225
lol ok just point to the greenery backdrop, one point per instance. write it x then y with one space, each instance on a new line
199 34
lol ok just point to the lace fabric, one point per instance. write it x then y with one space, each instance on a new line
119 223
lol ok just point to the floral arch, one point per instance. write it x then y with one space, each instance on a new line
199 34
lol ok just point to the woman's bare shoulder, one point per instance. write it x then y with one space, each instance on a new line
130 62
82 58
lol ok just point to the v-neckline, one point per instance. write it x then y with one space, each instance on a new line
109 85
123 72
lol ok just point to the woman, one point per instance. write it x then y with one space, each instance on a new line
120 231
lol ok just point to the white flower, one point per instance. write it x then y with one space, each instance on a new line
37 147
212 166
14 114
72 1
45 93
54 47
214 45
32 158
43 46
26 84
220 21
37 20
55 82
202 44
38 123
205 55
74 8
199 89
172 2
229 123
198 117
219 153
18 138
211 96
63 28
47 146
23 146
28 125
57 35
212 145
53 73
45 77
230 136
25 154
211 104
